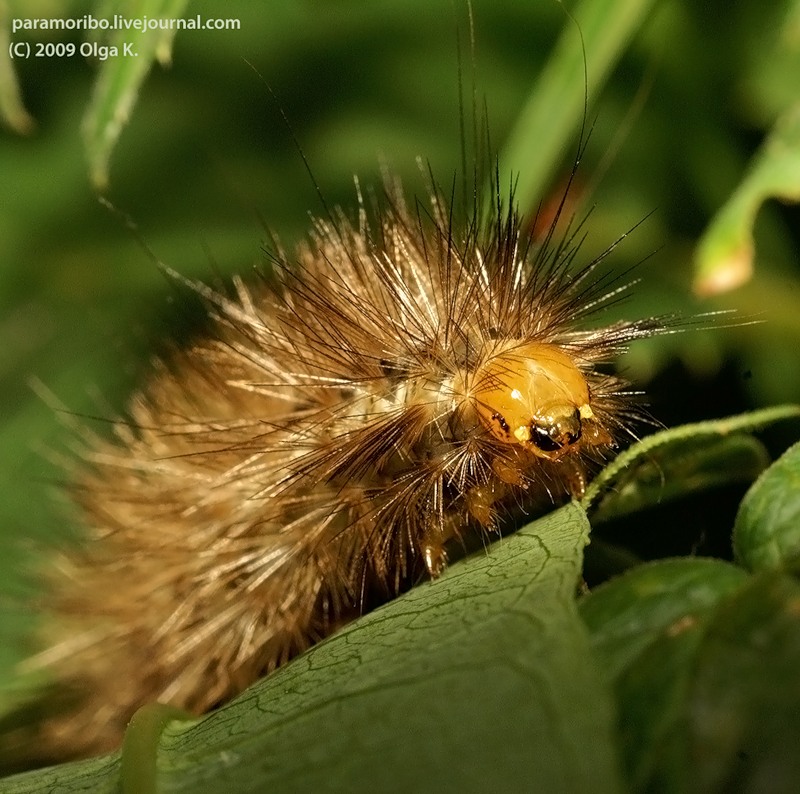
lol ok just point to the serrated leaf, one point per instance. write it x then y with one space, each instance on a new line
767 529
681 460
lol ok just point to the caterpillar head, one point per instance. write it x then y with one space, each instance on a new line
534 395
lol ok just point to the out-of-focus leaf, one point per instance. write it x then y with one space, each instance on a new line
646 627
767 529
691 466
630 612
481 680
120 77
12 111
680 460
708 694
652 700
548 120
770 85
724 257
744 707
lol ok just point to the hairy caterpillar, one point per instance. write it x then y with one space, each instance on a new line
401 382
402 379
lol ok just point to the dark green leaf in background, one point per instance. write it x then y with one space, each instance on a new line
682 460
628 614
744 719
704 659
767 529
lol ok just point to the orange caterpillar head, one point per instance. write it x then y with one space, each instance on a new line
535 395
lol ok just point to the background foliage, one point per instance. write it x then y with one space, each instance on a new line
691 130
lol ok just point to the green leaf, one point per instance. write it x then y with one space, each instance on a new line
12 111
120 77
683 459
629 613
683 467
767 529
97 775
480 680
547 121
711 702
744 712
724 257
646 628
652 700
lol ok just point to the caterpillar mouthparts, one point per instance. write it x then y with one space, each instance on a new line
394 385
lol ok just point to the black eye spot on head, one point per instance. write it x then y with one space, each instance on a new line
501 424
501 420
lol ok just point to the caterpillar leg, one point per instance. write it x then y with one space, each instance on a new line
435 557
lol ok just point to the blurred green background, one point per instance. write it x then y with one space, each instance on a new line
206 161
